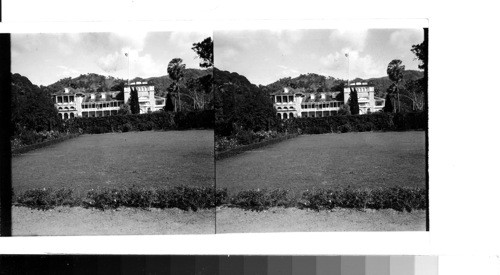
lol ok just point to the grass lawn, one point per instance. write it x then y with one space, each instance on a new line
119 160
361 160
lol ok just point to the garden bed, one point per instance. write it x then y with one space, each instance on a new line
195 198
27 148
242 148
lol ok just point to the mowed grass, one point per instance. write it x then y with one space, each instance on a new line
360 160
119 160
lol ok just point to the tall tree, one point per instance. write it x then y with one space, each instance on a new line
421 51
395 71
134 102
388 108
176 72
205 51
353 102
169 104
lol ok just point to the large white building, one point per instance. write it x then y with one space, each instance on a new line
298 103
78 103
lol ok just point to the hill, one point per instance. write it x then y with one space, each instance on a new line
314 81
97 83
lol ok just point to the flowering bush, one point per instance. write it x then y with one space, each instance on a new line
225 143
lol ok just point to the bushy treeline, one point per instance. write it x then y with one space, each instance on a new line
356 123
143 122
240 105
194 198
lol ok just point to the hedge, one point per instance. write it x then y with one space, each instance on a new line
143 122
194 198
356 123
243 148
42 144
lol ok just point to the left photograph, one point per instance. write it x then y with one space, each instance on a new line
112 133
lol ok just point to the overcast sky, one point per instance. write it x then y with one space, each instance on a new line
46 58
266 56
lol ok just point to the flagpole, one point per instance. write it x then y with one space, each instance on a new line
128 73
348 68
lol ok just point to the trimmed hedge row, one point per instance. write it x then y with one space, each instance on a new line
194 198
181 197
143 122
243 148
357 123
42 144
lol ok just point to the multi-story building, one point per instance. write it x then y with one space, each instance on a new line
367 101
79 103
291 102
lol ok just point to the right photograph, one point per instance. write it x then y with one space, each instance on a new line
321 130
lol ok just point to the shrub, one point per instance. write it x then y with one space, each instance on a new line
361 123
44 199
143 122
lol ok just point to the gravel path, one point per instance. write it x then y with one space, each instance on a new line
124 221
233 220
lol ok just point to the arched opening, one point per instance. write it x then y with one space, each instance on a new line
60 108
61 115
291 115
72 115
65 115
285 115
279 115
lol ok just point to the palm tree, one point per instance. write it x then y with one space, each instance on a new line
176 72
395 72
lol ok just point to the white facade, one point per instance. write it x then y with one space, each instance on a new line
77 103
148 102
367 101
291 103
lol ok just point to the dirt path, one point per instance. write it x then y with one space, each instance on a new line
131 221
233 220
124 221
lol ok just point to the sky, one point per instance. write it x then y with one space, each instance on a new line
46 58
264 56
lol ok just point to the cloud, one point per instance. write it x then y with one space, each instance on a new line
287 71
112 62
404 39
67 72
353 38
359 65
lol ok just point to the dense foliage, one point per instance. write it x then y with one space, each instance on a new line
353 102
142 122
357 123
240 105
194 198
134 102
32 109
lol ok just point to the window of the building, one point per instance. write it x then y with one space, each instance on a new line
285 99
278 99
290 98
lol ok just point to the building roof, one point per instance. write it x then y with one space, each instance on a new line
290 91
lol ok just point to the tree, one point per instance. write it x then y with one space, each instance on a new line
413 91
124 109
395 71
421 51
169 105
388 108
32 109
353 102
205 51
176 73
134 102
